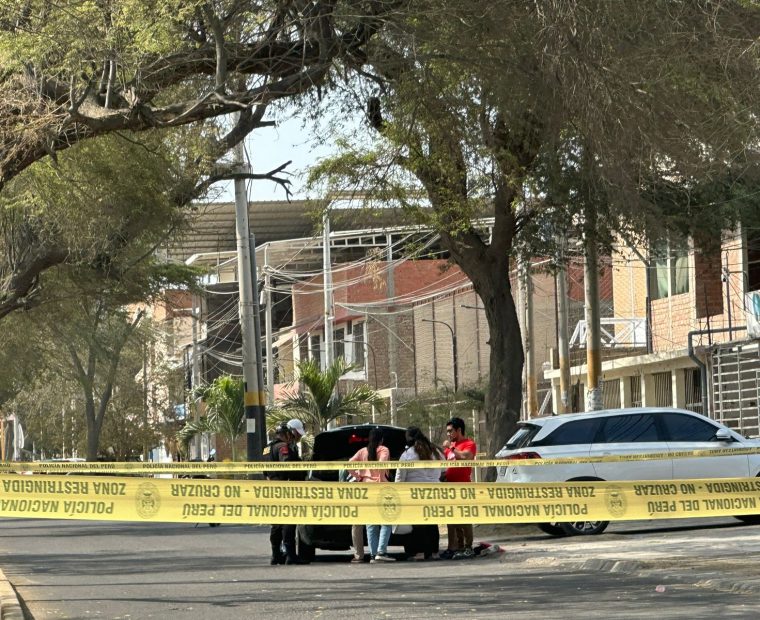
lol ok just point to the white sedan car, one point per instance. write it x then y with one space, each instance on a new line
618 432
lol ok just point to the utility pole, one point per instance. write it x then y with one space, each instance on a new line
594 401
328 296
195 453
328 293
530 349
563 342
268 328
254 396
392 332
145 398
259 361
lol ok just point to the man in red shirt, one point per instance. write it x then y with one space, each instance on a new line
459 448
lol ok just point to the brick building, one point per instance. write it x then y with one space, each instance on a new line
686 293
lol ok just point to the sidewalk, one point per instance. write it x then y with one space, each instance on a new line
10 608
719 558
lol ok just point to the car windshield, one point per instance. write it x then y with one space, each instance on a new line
523 435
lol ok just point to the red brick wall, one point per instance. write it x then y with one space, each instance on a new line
368 283
708 288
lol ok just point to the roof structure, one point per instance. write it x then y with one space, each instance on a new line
212 226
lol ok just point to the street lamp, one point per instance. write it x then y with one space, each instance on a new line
453 349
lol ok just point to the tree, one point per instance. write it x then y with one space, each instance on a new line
51 402
483 108
135 422
226 414
74 71
319 402
111 216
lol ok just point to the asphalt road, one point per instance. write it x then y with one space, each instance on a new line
70 569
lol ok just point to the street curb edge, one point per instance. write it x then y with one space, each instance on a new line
10 607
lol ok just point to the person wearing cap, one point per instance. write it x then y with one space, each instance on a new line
282 449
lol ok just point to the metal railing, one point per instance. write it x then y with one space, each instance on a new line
632 334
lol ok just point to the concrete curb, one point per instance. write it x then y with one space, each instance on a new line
10 607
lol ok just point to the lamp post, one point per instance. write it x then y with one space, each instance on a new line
453 349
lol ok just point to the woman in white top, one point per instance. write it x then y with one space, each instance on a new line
423 541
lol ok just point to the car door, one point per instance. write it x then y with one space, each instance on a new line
694 432
628 434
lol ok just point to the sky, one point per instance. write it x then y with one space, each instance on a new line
270 147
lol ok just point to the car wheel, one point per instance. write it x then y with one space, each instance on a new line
584 528
553 529
304 551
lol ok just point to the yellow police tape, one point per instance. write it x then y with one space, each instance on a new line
188 467
251 501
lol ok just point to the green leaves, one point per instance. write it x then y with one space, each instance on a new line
224 400
320 403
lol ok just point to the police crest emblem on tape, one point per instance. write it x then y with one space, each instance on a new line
148 500
615 500
389 503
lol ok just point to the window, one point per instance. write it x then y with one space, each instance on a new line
663 389
578 432
629 428
358 346
522 436
635 391
669 269
611 394
753 260
693 390
315 350
339 343
679 427
303 347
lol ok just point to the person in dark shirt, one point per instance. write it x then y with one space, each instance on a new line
284 448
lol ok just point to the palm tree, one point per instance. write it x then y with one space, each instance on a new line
319 403
226 414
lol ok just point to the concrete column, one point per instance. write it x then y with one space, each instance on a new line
678 377
648 396
557 400
626 397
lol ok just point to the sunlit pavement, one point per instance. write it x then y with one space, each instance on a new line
718 554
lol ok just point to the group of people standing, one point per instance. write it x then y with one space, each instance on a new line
424 541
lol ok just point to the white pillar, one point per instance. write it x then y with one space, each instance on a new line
678 379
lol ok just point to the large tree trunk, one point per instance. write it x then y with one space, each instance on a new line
93 429
504 395
487 267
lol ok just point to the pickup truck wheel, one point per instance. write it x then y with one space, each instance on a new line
584 528
553 529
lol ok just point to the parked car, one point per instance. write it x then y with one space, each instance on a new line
340 444
620 432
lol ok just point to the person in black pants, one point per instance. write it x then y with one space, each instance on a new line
422 543
284 448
